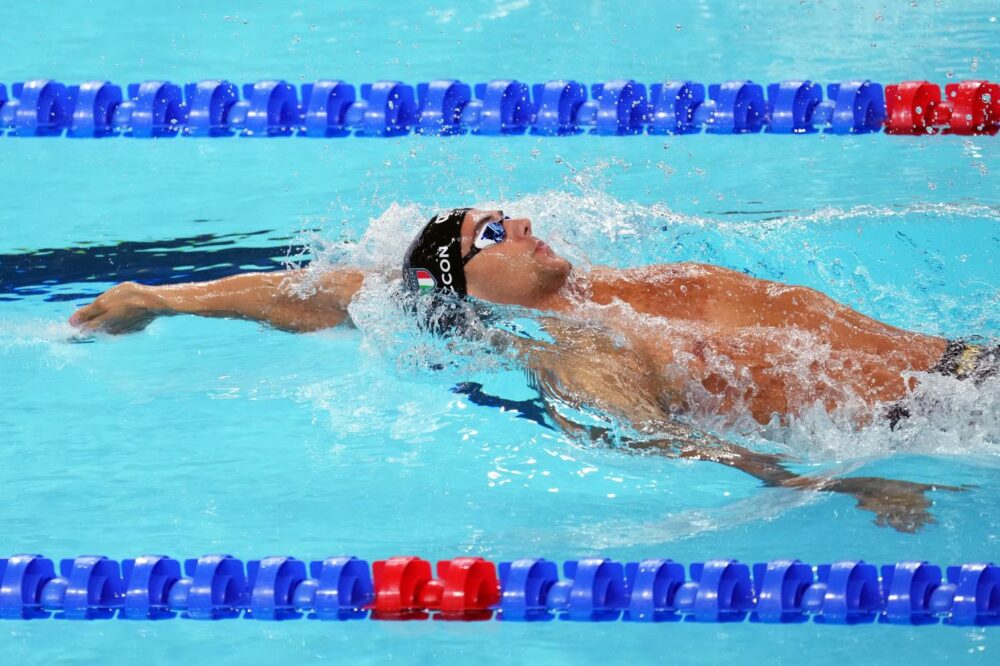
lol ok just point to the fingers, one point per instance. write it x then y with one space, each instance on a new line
903 520
85 314
952 489
910 522
906 513
93 323
102 321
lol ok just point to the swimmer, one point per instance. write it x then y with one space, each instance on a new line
611 342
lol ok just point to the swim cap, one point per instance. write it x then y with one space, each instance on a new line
433 262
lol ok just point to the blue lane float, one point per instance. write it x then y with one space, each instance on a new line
218 587
152 109
209 104
334 108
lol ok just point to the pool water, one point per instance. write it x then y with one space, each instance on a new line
199 436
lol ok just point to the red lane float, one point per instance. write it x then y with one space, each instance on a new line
466 589
916 107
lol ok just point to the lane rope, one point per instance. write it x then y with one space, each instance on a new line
215 587
334 108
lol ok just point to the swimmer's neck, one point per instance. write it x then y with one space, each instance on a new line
576 290
556 302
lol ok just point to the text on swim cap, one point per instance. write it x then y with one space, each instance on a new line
444 265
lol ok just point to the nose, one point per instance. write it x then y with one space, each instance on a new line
518 227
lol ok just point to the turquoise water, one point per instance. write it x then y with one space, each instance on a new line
201 436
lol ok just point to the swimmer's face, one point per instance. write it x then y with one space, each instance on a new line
517 271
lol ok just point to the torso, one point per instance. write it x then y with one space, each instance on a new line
732 342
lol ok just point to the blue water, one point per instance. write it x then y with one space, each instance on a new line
200 436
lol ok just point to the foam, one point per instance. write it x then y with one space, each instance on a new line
47 338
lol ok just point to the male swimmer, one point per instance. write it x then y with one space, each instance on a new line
612 347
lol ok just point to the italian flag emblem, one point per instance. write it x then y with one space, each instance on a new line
425 281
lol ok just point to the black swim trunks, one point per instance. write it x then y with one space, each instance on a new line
962 360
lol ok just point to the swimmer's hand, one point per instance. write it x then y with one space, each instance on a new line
125 308
901 505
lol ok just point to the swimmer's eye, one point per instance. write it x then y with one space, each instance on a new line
491 234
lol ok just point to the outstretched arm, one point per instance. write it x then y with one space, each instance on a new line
902 505
274 298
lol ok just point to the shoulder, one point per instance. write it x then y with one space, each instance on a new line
668 272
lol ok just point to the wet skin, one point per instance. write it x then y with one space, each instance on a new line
631 342
692 313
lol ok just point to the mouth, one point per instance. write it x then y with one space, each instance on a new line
543 248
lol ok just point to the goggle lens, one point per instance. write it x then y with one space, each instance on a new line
491 234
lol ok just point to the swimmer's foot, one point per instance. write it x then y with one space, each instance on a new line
901 505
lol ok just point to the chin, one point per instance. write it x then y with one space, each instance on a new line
562 262
557 267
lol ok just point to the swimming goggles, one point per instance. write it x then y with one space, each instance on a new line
491 234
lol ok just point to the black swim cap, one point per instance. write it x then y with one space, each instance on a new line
433 262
